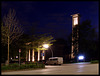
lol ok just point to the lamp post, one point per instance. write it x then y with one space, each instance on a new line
19 56
47 46
52 52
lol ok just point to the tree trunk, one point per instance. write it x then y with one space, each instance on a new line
26 56
38 54
8 49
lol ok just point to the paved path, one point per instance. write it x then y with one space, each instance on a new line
65 69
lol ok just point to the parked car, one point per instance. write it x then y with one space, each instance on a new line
55 60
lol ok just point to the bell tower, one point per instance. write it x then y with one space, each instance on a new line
75 35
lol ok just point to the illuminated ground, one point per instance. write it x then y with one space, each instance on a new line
65 69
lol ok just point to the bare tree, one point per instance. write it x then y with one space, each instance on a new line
11 29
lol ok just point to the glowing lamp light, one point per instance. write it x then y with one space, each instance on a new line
81 57
45 45
11 58
16 56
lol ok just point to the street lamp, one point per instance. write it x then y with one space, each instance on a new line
47 46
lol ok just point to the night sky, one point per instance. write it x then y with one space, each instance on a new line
50 16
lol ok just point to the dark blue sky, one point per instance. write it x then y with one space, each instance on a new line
52 16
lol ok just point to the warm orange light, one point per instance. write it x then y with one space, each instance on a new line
38 55
29 55
33 55
75 21
43 58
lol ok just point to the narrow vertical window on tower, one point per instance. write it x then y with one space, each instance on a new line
75 21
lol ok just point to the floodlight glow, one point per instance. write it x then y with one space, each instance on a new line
45 45
81 57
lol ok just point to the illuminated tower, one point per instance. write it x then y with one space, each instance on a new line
75 36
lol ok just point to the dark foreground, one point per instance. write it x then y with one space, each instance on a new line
65 69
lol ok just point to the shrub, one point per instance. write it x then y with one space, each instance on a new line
22 67
95 61
16 66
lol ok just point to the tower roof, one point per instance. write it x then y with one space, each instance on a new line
75 15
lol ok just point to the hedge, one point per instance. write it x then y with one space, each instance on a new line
95 61
16 66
